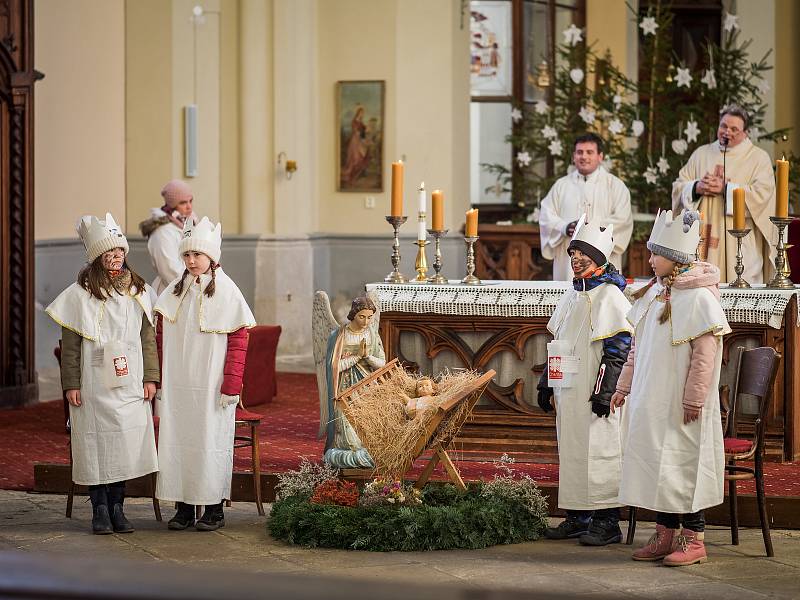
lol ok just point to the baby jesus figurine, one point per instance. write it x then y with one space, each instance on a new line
425 398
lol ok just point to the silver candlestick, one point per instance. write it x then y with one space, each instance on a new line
471 279
781 280
739 282
437 234
396 276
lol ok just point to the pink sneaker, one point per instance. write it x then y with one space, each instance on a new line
658 546
689 550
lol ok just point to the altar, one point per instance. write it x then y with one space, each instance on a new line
501 325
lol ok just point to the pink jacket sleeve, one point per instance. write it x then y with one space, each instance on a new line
626 376
698 381
234 362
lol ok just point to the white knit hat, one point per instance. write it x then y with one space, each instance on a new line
100 236
676 239
203 237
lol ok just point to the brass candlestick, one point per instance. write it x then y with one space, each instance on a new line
781 280
739 282
421 264
438 234
471 279
396 276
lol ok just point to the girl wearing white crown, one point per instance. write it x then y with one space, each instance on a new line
674 458
591 339
109 368
204 345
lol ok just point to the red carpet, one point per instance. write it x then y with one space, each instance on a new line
288 432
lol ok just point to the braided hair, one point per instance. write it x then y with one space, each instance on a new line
210 288
667 282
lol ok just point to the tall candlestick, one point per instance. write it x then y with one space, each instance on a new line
422 198
437 208
782 188
471 228
397 189
738 208
422 231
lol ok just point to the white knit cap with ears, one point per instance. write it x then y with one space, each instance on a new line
100 236
204 237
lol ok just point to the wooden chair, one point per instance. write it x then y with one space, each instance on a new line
755 375
151 478
246 418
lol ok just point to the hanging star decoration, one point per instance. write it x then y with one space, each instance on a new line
637 128
651 176
709 79
663 165
617 100
572 35
616 127
534 216
549 132
587 115
763 86
648 26
679 146
555 148
691 132
731 22
516 114
523 159
541 107
683 78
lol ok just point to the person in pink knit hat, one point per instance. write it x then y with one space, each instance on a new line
674 461
163 231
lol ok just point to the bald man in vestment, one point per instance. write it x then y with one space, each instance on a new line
700 185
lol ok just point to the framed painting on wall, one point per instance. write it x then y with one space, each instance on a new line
359 122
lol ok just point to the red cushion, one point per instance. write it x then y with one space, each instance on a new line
737 446
243 414
259 385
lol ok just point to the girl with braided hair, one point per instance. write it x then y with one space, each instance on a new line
674 460
205 321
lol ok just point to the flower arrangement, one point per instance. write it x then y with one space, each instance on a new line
521 490
381 491
339 493
304 480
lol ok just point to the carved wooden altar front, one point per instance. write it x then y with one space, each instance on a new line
511 252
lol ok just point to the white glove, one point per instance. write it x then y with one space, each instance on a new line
225 400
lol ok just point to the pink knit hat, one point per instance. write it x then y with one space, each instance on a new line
175 191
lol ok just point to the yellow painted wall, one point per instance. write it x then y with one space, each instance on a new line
607 25
79 112
787 71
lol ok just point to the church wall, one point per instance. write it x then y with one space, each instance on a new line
787 72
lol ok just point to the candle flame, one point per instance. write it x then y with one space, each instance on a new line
421 186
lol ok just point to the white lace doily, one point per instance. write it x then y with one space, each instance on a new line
756 305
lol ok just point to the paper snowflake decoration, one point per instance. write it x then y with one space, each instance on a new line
683 78
731 22
572 35
709 79
691 132
617 100
516 114
523 159
541 107
549 132
534 216
649 26
763 86
651 176
587 115
637 128
663 165
616 127
679 146
555 148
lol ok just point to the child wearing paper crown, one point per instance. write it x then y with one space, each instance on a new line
591 339
205 321
109 368
674 456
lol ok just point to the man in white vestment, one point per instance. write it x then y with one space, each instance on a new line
589 190
714 171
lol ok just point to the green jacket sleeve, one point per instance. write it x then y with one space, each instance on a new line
70 360
149 352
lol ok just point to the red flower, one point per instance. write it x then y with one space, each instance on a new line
333 491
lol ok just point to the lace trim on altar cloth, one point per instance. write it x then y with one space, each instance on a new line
757 305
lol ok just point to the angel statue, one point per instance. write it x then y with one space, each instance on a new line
344 355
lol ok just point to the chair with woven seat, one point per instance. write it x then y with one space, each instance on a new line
756 370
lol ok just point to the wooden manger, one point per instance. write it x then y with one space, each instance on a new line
440 425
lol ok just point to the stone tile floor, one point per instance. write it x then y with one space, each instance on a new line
36 523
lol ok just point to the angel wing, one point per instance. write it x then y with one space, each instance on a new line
322 324
376 318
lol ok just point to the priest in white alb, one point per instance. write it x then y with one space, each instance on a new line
714 171
589 190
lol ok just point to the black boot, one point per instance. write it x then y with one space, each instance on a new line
602 532
213 518
101 521
569 528
183 518
116 497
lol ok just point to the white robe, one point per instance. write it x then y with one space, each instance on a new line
668 466
163 246
602 197
589 447
746 166
195 443
112 433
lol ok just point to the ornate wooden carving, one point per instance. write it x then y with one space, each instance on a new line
510 252
17 76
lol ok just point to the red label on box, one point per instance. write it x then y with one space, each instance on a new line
120 366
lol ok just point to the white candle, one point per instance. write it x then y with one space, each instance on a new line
421 233
422 199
